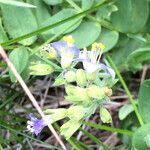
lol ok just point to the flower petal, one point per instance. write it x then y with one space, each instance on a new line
109 70
70 48
90 67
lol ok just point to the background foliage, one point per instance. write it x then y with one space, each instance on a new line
122 25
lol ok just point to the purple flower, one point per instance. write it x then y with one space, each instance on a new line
35 125
90 60
66 50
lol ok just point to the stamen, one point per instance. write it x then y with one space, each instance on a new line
101 46
68 39
100 54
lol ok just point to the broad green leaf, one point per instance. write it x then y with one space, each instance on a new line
86 34
86 4
19 58
125 111
65 13
108 38
131 16
138 57
41 12
3 36
19 21
104 12
139 141
120 54
17 3
144 100
53 2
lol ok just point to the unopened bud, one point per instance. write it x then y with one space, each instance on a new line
96 92
105 115
70 76
81 77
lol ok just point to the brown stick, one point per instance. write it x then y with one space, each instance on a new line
31 97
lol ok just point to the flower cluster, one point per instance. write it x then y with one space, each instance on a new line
87 88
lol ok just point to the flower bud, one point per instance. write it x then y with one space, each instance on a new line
105 115
91 76
81 77
70 76
76 112
41 69
69 128
96 92
56 114
77 94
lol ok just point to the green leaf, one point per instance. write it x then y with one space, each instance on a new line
19 58
86 4
138 57
53 2
131 15
19 21
3 36
144 100
86 34
108 38
120 54
104 12
139 141
125 111
16 3
65 13
41 12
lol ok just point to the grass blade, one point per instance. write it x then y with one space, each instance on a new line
96 140
17 3
107 128
27 136
83 13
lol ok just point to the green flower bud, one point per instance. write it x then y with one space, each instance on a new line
105 115
70 76
81 77
91 76
70 89
69 128
41 69
76 112
77 94
56 114
98 92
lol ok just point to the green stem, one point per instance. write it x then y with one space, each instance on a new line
97 141
112 129
132 101
103 23
70 141
1 148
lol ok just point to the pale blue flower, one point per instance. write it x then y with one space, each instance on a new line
91 62
66 50
35 125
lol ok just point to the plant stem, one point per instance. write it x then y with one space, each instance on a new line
107 128
132 101
96 140
31 97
